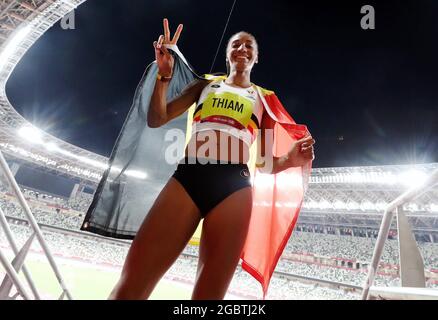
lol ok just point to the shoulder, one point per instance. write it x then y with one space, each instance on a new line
206 79
199 84
196 86
264 91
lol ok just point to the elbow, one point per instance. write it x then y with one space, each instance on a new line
154 122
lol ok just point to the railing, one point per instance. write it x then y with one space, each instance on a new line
410 267
13 268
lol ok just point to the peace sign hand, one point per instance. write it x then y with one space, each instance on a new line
164 59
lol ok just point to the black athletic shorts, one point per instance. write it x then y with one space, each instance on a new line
208 184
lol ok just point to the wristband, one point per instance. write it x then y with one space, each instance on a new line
162 78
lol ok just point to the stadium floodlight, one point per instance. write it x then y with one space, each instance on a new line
131 173
54 148
352 205
136 174
414 207
31 134
51 146
311 204
27 154
92 162
34 135
64 152
381 206
324 204
340 204
389 178
367 205
412 178
70 3
357 177
12 45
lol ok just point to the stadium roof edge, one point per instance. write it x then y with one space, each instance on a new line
24 24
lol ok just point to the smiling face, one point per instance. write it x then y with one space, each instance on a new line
242 52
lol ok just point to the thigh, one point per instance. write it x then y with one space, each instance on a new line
163 235
223 236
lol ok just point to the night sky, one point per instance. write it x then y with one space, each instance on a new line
369 97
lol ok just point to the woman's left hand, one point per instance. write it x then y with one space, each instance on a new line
301 152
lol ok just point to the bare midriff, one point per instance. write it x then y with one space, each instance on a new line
225 147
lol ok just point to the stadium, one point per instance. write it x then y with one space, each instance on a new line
328 256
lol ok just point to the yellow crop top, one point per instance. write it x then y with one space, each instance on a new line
237 111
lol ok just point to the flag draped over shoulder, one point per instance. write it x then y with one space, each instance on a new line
137 168
277 198
138 171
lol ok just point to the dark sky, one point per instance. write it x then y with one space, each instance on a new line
369 97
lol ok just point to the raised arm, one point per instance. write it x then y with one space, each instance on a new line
161 111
